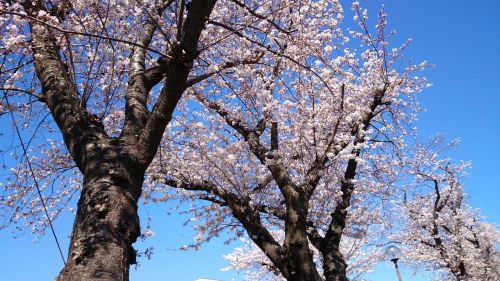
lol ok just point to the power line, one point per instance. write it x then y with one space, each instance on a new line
25 154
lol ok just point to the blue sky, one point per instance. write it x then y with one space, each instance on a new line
462 38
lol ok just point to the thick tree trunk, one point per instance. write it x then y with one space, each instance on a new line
299 259
106 224
334 265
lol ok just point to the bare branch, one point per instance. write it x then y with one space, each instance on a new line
221 69
253 13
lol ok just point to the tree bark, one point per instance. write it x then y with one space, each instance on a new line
334 264
299 258
107 223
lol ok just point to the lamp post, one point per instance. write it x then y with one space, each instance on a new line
394 253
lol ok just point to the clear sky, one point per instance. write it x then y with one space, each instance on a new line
462 38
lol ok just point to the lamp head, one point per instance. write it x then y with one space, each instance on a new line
393 253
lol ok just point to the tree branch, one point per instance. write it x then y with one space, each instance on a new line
136 111
225 66
251 136
247 215
253 13
179 67
57 90
136 98
33 19
330 244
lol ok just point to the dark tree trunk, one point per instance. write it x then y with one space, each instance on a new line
334 264
106 224
299 258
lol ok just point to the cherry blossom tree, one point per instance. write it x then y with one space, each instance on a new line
440 231
298 150
110 74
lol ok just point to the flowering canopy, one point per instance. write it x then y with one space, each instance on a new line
291 128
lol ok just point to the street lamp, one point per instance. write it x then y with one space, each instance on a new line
394 253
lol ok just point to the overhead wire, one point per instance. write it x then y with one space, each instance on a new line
25 154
